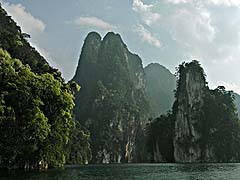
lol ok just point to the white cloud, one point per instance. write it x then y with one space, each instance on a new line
229 3
93 22
26 20
208 34
232 87
191 26
147 36
145 11
31 25
177 1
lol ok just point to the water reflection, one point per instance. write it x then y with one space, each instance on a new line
132 172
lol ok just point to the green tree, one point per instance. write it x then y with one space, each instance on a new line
35 104
221 125
36 115
78 147
16 43
159 138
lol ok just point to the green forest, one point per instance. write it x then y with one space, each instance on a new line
113 110
36 120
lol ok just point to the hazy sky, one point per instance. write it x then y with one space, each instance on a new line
164 31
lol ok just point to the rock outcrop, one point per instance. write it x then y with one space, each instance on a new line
207 128
189 103
111 103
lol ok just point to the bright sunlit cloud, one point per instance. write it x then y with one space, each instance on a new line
93 22
25 19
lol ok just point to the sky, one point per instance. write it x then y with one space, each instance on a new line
164 31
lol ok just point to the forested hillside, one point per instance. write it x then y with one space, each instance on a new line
36 123
112 111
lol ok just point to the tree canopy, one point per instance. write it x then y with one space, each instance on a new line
36 115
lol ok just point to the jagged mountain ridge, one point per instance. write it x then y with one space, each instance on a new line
111 103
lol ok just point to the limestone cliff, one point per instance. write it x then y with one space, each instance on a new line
190 93
207 128
111 103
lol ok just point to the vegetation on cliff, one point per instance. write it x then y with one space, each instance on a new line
220 126
36 123
39 129
206 127
15 42
112 103
159 142
35 115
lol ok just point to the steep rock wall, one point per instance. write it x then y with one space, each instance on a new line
191 89
111 103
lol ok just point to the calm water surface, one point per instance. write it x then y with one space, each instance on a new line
132 172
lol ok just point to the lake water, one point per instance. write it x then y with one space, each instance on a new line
132 172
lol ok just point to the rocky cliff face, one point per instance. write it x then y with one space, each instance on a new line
111 103
207 128
86 73
160 86
189 103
